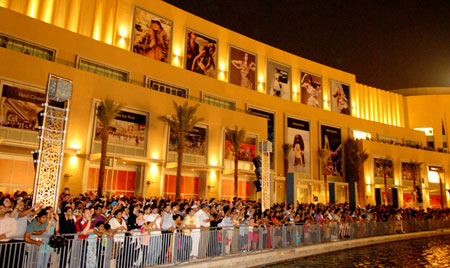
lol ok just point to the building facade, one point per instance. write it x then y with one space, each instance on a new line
148 54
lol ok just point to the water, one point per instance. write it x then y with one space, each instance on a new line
424 252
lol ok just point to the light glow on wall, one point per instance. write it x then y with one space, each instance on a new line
155 155
48 11
428 130
361 135
98 23
32 8
176 57
73 160
153 169
433 176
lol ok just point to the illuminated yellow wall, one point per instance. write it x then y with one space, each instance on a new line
375 111
430 111
378 105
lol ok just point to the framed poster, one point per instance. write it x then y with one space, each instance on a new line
340 97
247 150
129 129
410 171
19 107
331 139
270 116
151 35
311 89
242 68
298 135
278 80
195 142
201 53
381 165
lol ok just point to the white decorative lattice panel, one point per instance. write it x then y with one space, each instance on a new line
52 139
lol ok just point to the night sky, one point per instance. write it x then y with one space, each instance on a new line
386 44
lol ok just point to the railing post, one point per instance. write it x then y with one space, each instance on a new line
224 241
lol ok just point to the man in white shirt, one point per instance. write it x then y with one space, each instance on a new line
203 222
8 228
8 225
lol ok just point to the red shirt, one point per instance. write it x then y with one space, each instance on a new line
80 225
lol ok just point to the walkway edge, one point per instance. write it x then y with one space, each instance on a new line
272 256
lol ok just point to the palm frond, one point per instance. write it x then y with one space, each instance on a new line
236 137
107 111
184 119
287 147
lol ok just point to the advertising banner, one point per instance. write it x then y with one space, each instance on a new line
19 108
151 35
194 143
340 97
127 129
278 80
298 136
201 54
311 89
331 139
242 68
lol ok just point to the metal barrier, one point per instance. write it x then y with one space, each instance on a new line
137 249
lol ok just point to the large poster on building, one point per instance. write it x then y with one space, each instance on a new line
247 150
151 35
298 136
278 80
201 53
340 97
331 139
311 89
195 142
19 107
409 171
270 116
242 68
382 166
127 129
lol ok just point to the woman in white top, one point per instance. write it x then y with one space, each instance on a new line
118 226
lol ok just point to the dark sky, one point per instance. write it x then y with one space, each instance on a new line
387 44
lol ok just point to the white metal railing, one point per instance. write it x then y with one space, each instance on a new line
144 249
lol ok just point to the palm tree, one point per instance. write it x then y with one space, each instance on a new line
107 111
287 147
415 169
385 163
181 123
324 155
236 137
354 159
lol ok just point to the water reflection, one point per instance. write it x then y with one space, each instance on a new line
424 252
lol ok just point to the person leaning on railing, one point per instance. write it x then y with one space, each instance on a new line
38 226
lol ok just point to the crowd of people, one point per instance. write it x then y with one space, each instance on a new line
157 218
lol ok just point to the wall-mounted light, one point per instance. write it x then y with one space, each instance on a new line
260 83
177 57
73 150
123 36
326 102
222 71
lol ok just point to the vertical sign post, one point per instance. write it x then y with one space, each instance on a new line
265 148
52 135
